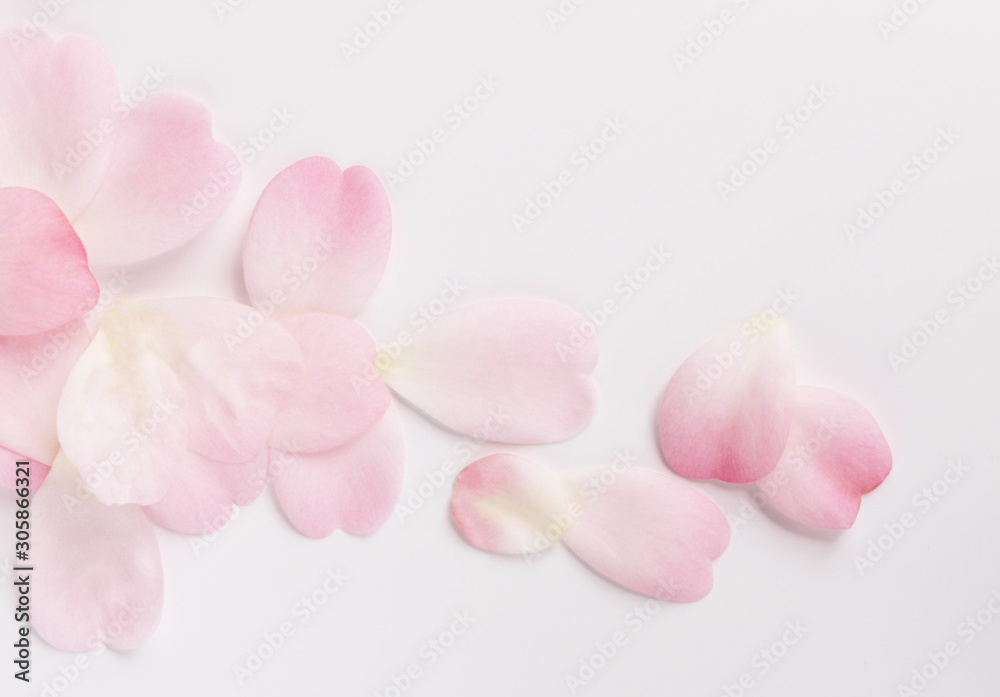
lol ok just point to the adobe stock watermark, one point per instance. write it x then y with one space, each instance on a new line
303 610
922 503
900 15
624 289
454 117
938 660
787 125
31 25
766 659
711 31
956 300
561 13
428 654
884 199
580 161
365 33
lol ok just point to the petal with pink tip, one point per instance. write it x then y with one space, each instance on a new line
727 411
647 532
168 182
353 487
509 371
341 396
33 371
318 239
836 452
98 576
57 120
203 492
9 466
44 278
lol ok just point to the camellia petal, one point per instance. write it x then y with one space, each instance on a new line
168 182
44 278
727 411
341 395
353 487
33 371
203 492
318 239
511 371
641 529
57 117
98 576
836 452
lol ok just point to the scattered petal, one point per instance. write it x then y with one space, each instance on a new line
341 395
836 452
37 471
354 487
98 576
44 278
509 371
168 182
318 239
727 411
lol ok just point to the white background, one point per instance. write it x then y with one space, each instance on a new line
656 185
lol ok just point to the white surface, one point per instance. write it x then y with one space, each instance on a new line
656 185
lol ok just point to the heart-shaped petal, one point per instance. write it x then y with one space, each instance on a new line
318 239
641 529
835 453
353 487
727 411
98 576
44 278
509 371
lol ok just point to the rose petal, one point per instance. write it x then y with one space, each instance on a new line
168 182
835 453
44 278
510 371
203 492
726 412
341 396
57 124
33 371
641 529
353 487
98 575
318 239
37 471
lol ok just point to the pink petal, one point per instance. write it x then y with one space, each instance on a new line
726 412
341 396
203 492
510 371
44 278
353 487
168 182
641 529
648 532
37 471
56 102
318 239
98 576
33 371
836 452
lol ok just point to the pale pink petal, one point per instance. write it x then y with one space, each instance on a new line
203 492
44 278
510 505
353 487
647 531
726 412
341 395
121 419
33 370
510 371
318 239
98 576
9 475
169 181
57 116
836 452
